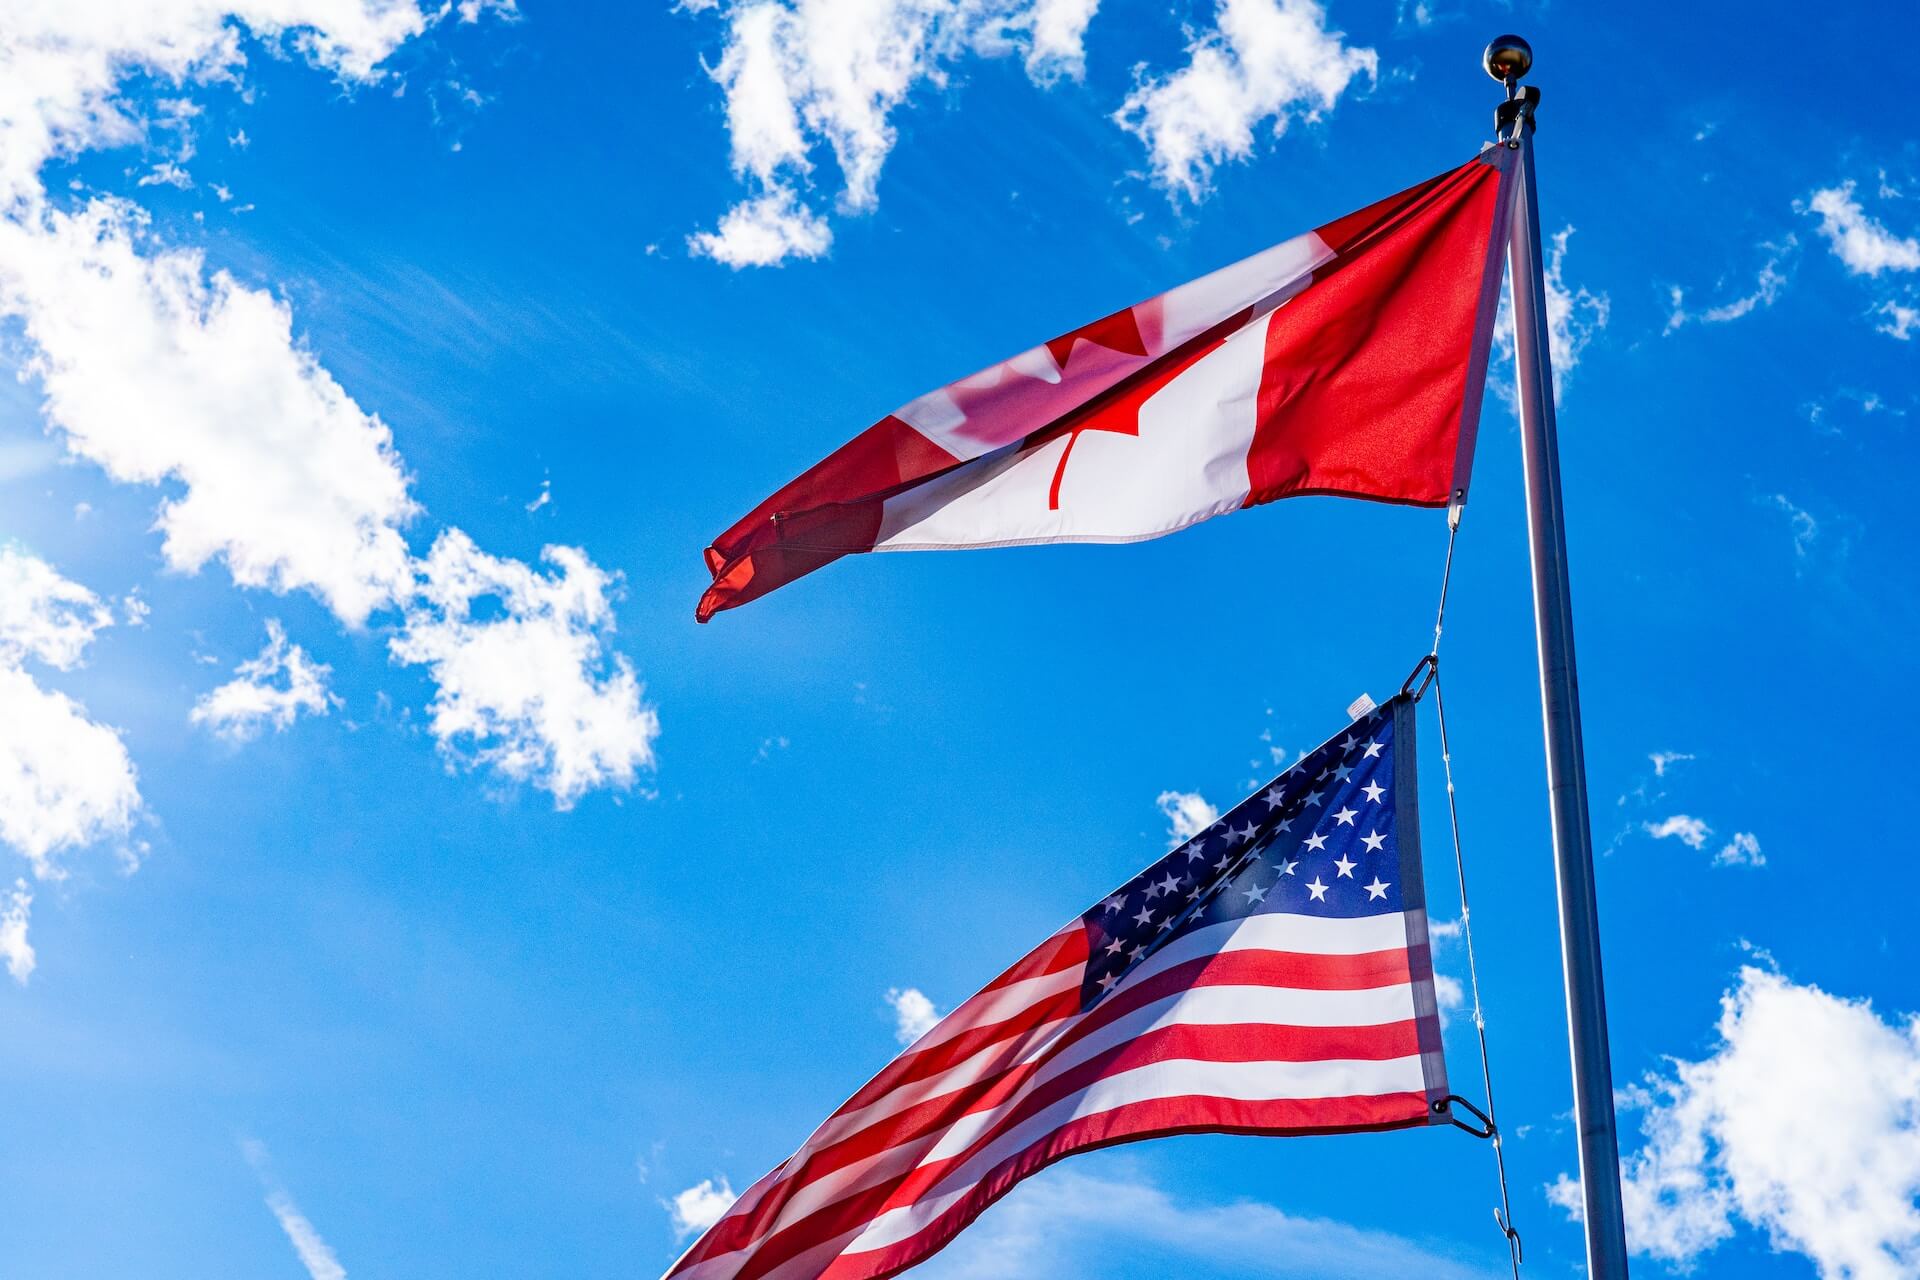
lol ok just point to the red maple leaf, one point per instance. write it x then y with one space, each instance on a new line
1117 332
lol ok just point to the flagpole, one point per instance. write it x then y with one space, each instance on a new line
1507 59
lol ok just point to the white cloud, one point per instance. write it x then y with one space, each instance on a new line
1263 60
1574 316
43 615
65 780
240 708
699 1206
803 76
15 907
1056 32
1862 243
1665 760
1741 851
1901 321
164 373
61 64
525 683
1803 1123
1187 813
1690 831
1070 1223
913 1014
1448 993
764 232
160 373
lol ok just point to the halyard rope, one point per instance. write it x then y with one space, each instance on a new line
1504 1214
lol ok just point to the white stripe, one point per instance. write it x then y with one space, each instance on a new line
1241 1081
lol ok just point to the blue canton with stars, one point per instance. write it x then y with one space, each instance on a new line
1322 839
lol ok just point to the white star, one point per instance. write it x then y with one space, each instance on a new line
1254 894
1136 953
1287 865
1324 774
1318 890
1342 773
1373 840
1226 860
1374 791
1348 743
1115 947
1373 749
1197 850
1313 798
1106 983
1169 884
1245 834
1346 816
1114 903
1316 842
1285 824
1145 916
1375 890
1346 866
1273 795
1153 891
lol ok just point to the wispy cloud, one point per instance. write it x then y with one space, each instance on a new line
1665 760
1766 288
315 1254
1575 316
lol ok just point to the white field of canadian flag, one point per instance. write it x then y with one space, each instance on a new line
1347 361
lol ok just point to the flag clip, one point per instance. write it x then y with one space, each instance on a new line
1444 1107
1430 665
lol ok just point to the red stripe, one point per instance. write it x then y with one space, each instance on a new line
1156 1118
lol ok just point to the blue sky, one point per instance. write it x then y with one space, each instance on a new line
381 897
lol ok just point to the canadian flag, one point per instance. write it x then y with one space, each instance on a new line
1346 361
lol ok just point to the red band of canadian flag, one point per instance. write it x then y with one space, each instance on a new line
1347 361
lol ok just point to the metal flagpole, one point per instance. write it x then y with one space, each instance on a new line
1507 59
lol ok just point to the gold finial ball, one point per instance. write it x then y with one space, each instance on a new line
1507 57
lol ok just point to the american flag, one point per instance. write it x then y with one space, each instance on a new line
1271 975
